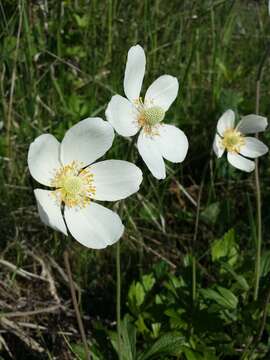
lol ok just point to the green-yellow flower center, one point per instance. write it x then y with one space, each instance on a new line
232 140
74 186
153 115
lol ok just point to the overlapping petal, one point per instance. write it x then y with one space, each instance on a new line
172 143
122 115
253 148
226 121
151 155
251 124
44 158
115 179
162 92
134 72
87 141
240 162
94 226
49 210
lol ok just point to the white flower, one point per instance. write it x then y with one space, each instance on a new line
238 146
68 168
156 140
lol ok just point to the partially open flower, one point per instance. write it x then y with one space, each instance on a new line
156 139
233 139
68 168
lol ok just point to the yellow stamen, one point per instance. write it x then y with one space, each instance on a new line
232 140
73 186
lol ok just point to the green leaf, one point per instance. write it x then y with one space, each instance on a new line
265 263
136 295
210 213
224 297
192 355
225 248
128 339
148 282
239 278
167 344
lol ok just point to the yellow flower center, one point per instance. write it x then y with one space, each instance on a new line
74 186
232 140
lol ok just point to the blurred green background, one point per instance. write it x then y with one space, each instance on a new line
60 62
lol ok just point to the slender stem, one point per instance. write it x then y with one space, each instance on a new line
118 266
13 79
257 181
194 275
259 210
194 240
118 298
75 304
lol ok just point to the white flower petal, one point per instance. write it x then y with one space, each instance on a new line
49 210
94 226
217 146
162 92
151 155
44 158
122 115
134 72
115 179
87 141
253 148
226 121
172 143
240 162
251 124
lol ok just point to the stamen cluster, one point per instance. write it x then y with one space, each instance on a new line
149 117
233 140
74 185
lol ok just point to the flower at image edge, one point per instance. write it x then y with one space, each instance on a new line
240 148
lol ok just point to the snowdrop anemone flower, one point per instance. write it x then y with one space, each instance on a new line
129 115
76 180
233 139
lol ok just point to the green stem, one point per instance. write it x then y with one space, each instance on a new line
194 241
118 298
259 210
194 278
257 183
118 267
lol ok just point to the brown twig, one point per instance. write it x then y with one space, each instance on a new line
30 313
75 304
15 329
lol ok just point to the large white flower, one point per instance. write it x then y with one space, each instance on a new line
68 168
128 115
238 146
